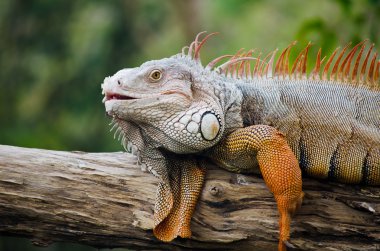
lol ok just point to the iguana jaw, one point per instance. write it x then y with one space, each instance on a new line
120 96
129 107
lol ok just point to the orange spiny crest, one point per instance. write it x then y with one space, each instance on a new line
238 65
358 65
282 65
304 61
199 46
298 72
286 65
231 63
377 74
327 66
364 66
346 64
196 46
317 67
296 65
264 64
269 67
337 62
256 69
241 67
279 64
371 71
248 64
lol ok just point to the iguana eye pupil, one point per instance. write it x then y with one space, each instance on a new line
155 75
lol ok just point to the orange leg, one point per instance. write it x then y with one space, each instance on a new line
244 148
176 200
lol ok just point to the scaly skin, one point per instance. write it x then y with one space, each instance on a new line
186 187
174 114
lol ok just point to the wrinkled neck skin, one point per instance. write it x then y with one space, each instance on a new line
260 102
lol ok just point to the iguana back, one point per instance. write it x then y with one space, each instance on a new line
334 129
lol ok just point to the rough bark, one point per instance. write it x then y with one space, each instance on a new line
105 200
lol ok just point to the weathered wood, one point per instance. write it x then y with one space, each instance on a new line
105 200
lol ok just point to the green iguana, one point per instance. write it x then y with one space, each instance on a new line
248 115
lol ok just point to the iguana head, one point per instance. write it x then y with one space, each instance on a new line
175 101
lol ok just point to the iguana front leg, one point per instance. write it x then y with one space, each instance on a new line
176 198
264 145
181 180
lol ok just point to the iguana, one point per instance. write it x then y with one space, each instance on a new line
248 115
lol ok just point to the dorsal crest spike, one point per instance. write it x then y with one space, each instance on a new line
196 42
337 62
376 75
199 46
304 59
286 65
346 64
256 70
217 60
327 66
264 64
247 67
231 68
241 68
280 61
296 64
298 72
317 67
370 75
233 62
191 48
364 66
282 65
269 67
184 49
358 65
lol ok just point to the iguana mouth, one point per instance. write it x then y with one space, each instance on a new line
112 96
115 96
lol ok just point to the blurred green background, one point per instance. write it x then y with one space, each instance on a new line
54 54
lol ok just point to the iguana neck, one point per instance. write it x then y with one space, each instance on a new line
252 103
259 100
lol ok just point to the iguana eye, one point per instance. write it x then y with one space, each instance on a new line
155 75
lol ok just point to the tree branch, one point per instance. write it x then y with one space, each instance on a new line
105 200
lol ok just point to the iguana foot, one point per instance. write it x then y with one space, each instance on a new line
175 203
287 206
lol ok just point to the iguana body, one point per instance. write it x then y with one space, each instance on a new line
176 114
